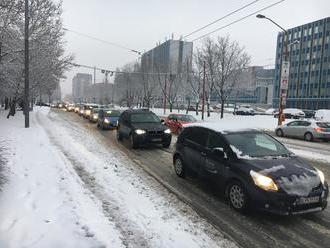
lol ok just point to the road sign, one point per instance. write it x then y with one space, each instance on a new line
285 75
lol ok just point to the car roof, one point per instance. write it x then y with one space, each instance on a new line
138 111
221 128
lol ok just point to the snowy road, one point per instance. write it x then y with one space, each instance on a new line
254 230
69 188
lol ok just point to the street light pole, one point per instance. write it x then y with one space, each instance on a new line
26 62
285 61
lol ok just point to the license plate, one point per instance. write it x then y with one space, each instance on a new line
308 200
156 140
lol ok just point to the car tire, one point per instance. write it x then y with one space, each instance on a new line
309 137
179 167
279 133
132 142
237 196
119 136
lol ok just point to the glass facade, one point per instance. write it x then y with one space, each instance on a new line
309 79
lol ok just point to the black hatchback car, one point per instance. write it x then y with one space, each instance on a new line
253 169
142 127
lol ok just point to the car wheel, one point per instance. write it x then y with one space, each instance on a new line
179 167
309 137
237 196
279 133
132 142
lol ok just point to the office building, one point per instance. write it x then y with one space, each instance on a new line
81 83
309 56
171 57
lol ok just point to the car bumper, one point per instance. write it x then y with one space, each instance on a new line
323 136
284 204
110 125
150 139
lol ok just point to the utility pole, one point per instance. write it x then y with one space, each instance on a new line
94 74
165 94
26 71
203 93
284 77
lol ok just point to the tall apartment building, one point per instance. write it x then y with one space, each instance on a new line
169 57
309 79
81 83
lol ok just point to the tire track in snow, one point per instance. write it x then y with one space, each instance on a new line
131 236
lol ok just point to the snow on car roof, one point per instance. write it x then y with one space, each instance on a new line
222 128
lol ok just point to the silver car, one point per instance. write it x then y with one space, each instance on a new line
305 129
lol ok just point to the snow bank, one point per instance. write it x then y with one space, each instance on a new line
44 203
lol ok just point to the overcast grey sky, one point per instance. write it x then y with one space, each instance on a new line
140 24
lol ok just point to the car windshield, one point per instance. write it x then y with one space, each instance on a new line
145 118
112 113
255 144
323 124
186 118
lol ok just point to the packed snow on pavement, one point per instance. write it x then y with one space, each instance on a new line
66 189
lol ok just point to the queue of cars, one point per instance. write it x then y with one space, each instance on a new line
250 167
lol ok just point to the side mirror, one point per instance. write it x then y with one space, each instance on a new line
219 152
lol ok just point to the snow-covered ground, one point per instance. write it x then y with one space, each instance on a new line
66 189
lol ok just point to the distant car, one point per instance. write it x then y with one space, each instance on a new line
88 110
142 127
271 111
305 129
77 108
108 118
191 108
309 113
322 115
252 169
69 107
292 113
245 111
94 115
176 122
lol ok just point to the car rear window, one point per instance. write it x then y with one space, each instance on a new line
144 118
186 118
112 113
323 124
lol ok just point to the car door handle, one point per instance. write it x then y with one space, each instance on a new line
203 154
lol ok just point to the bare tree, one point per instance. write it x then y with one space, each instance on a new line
48 61
232 59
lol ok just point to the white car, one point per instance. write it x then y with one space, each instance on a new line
292 113
322 115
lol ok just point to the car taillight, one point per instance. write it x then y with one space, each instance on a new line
318 129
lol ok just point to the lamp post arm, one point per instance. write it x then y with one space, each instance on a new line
284 30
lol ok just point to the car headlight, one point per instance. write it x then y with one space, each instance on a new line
264 182
321 175
95 116
106 121
168 131
140 131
